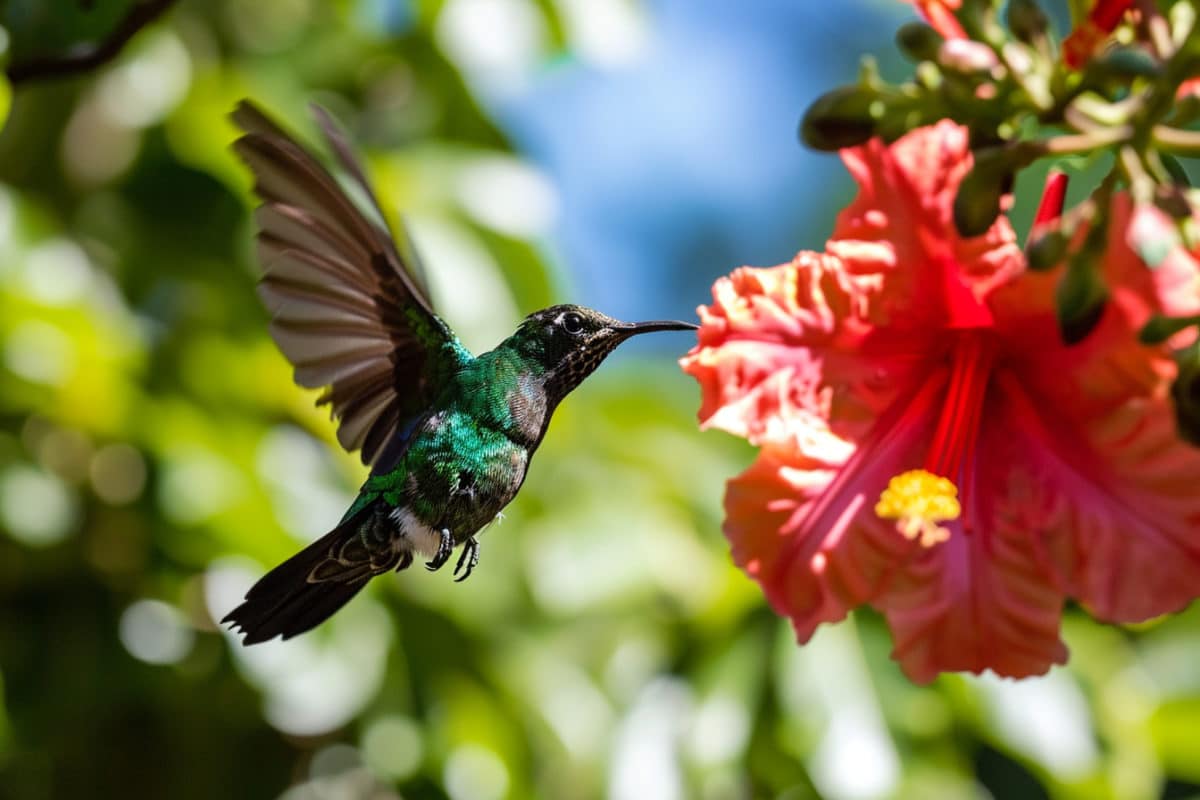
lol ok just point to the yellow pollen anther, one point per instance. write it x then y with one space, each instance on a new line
918 501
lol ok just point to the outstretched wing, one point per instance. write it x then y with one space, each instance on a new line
346 311
408 254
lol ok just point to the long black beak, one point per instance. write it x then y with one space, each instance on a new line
628 329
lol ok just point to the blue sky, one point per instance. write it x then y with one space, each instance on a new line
682 163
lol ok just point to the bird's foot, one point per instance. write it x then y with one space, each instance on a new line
445 548
469 558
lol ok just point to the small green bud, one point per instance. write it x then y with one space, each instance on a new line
929 75
1185 393
868 73
977 204
1026 20
844 117
1124 63
1046 248
978 201
1161 328
918 41
1081 297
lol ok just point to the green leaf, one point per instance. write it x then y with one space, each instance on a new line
1161 328
1175 169
1082 296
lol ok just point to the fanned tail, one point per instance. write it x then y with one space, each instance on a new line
309 587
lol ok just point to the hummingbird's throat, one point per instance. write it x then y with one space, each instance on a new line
921 499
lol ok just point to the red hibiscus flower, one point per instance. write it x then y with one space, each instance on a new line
930 448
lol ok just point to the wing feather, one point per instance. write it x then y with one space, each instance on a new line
346 310
345 156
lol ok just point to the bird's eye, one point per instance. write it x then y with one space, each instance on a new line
572 323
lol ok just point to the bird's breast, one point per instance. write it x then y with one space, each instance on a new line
460 475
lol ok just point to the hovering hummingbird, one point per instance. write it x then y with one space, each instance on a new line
448 435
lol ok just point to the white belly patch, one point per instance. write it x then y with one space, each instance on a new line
419 536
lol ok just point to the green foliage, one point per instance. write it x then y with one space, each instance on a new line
155 457
5 98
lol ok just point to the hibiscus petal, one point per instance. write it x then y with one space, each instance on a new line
771 338
1173 277
800 521
901 226
804 340
1110 368
760 505
990 596
1123 532
978 601
1120 521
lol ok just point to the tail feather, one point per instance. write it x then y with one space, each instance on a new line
290 599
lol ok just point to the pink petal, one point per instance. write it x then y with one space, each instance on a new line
901 227
984 599
771 337
1120 515
802 524
1110 368
1167 272
806 341
940 15
990 598
978 601
1122 520
760 505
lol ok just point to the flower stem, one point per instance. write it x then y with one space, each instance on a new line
1158 31
1176 140
1141 185
1086 142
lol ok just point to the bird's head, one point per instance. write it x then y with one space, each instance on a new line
568 342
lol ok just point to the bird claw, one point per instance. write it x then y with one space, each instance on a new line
445 548
469 557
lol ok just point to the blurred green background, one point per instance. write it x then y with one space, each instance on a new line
155 457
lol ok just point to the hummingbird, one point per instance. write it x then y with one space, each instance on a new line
447 435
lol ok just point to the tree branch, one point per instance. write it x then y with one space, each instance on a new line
89 56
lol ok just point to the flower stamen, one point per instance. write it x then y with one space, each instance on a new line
918 500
